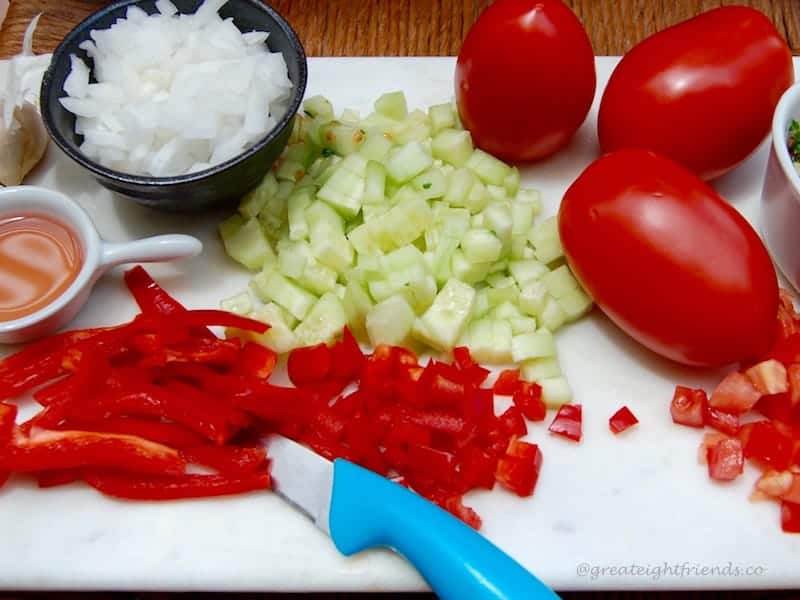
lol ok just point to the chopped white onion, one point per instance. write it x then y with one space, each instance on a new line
174 94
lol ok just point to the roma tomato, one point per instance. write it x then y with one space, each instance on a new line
701 92
525 78
669 261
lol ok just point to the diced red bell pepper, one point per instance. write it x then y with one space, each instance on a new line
309 365
233 461
769 377
721 420
45 450
275 403
403 433
442 387
765 444
519 469
506 383
478 406
472 372
688 406
157 487
790 517
8 417
793 373
433 463
347 359
725 460
437 421
528 398
477 467
455 506
513 422
568 422
735 394
621 420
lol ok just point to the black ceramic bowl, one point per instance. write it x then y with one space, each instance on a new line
217 185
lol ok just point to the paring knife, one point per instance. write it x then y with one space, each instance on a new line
360 509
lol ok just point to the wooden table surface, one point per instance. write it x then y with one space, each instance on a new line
412 28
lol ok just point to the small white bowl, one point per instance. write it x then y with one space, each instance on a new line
98 257
780 197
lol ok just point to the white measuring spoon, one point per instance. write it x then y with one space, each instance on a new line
98 257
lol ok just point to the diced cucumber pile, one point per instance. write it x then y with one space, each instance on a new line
395 226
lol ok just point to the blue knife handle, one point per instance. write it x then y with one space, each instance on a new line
369 511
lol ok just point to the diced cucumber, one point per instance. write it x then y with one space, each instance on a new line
527 271
390 321
392 105
249 246
356 164
452 146
357 305
240 304
323 323
442 116
532 345
481 306
403 223
444 321
290 170
511 182
254 200
488 168
340 137
350 116
459 186
466 270
575 304
331 248
499 279
560 282
537 369
327 167
407 161
506 311
270 285
401 259
552 315
297 203
421 292
322 212
522 214
497 217
478 198
443 256
529 196
490 341
317 278
481 246
279 337
519 247
230 225
498 296
374 183
292 259
523 325
344 191
430 184
555 391
362 241
414 128
318 107
532 298
376 145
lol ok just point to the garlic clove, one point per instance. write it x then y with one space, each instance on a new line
23 142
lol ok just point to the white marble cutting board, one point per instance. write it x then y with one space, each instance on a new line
638 502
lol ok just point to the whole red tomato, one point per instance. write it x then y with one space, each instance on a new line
525 78
701 92
668 260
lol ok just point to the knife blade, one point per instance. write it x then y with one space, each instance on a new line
360 509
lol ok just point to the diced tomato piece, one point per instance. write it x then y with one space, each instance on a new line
528 398
568 422
790 517
506 382
309 365
777 407
477 467
621 420
793 373
734 394
722 421
347 359
769 377
688 406
765 444
725 460
519 470
513 422
710 439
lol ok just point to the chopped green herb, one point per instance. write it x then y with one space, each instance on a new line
427 185
326 152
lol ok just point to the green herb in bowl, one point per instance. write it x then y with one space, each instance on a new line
793 142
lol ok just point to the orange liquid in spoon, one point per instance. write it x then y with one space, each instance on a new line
39 258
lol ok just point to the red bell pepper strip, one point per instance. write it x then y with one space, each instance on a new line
155 487
211 351
347 359
567 422
8 417
170 434
256 360
621 420
46 450
151 297
57 477
228 460
309 365
219 318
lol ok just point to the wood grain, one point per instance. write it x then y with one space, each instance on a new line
411 28
415 27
